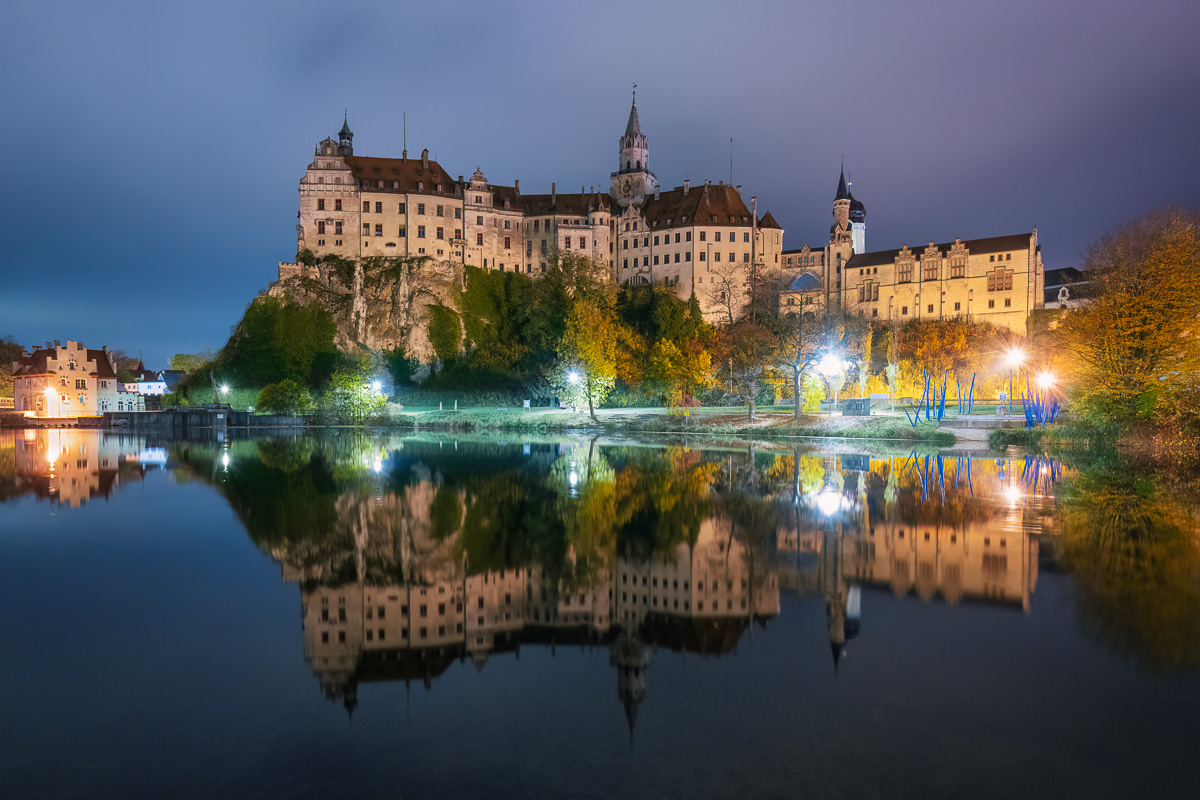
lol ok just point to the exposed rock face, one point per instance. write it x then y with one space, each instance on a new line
379 302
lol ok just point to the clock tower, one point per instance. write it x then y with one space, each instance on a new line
633 179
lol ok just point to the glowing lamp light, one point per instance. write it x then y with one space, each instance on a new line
830 365
225 459
1015 357
49 390
573 376
376 385
378 466
1045 380
1013 494
829 502
224 388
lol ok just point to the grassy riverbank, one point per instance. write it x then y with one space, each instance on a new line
766 426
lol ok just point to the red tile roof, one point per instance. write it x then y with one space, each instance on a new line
410 173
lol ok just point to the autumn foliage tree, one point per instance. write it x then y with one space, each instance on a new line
1134 344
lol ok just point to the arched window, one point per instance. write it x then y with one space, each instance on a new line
639 164
627 165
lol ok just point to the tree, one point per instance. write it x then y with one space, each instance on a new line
351 394
750 349
190 362
800 344
1134 342
589 349
285 397
10 351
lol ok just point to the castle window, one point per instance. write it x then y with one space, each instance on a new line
1008 302
582 243
543 247
567 242
321 227
320 205
400 233
320 179
479 239
366 229
365 184
507 204
991 258
380 185
646 241
478 220
656 241
716 236
677 258
458 213
929 268
717 256
991 303
687 236
625 264
904 311
645 261
702 255
379 208
625 245
337 228
337 205
677 238
535 225
931 308
379 230
367 206
439 188
507 225
441 233
529 248
957 306
746 257
702 235
439 211
627 164
687 256
746 236
508 243
656 261
420 231
395 184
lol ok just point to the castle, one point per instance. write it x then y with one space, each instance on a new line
699 240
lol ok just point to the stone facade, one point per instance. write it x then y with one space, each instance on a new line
68 381
357 206
998 279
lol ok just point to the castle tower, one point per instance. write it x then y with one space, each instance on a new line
631 657
840 240
841 209
345 138
633 179
858 225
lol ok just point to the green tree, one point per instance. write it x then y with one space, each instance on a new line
190 362
589 350
10 351
285 397
352 396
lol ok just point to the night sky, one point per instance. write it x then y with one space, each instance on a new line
153 150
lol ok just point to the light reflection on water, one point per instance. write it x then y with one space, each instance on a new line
413 558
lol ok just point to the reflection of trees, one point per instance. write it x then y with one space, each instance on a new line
1135 553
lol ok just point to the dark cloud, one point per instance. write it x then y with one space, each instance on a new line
153 149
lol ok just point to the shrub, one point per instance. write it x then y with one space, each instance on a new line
285 397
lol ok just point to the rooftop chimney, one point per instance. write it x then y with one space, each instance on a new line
404 154
739 190
517 186
553 193
686 186
656 193
425 158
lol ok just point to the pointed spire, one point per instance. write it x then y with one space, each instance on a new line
842 192
345 131
633 127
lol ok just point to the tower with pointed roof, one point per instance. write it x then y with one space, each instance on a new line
345 138
633 180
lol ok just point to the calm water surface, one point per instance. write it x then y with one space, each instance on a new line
376 616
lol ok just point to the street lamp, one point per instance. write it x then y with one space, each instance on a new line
1015 357
573 377
376 385
831 367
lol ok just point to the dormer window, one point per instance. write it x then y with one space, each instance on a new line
507 204
439 188
380 185
395 184
365 184
685 219
420 186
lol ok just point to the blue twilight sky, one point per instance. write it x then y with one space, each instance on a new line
154 149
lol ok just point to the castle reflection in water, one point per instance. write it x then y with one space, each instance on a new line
850 525
412 558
